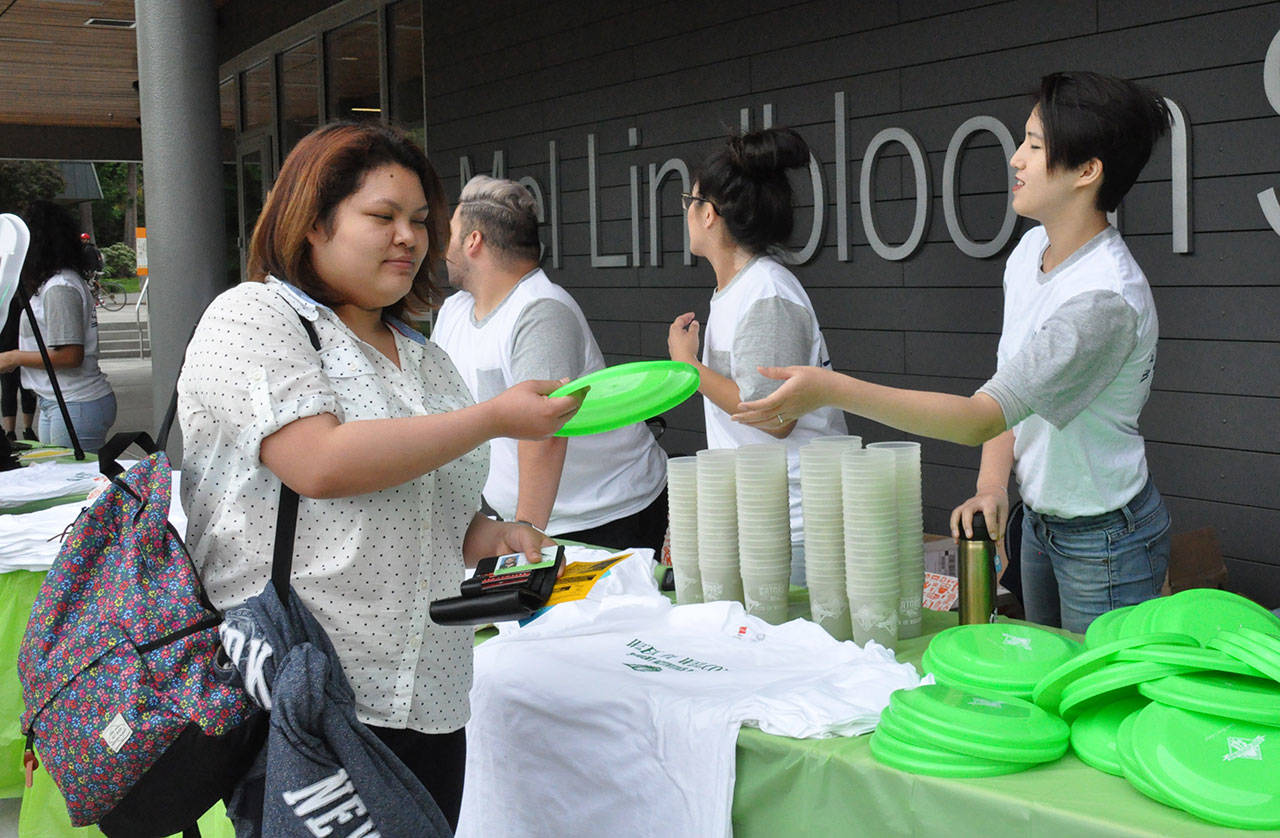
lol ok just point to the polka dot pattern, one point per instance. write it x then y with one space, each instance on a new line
367 566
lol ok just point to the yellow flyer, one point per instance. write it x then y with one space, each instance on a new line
579 577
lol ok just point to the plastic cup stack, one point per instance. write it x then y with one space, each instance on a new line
764 529
910 534
823 509
682 499
870 499
718 525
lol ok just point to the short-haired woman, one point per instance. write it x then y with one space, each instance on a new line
738 212
54 279
1073 371
375 431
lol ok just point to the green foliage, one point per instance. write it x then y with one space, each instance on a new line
23 181
108 214
120 259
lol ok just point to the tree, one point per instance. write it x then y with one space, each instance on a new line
23 181
109 213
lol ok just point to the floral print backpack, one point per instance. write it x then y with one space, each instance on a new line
120 662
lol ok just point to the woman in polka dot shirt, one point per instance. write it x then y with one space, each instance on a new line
375 431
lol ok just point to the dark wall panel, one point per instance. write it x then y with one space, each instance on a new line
514 75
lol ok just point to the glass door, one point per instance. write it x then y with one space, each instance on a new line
254 174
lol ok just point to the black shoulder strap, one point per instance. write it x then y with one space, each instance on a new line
287 516
53 376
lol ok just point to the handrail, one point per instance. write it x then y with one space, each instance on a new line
137 313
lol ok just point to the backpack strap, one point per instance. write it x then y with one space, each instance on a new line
53 376
287 516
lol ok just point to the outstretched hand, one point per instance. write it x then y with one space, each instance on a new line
525 412
804 390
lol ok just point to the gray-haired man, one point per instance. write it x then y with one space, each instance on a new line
509 322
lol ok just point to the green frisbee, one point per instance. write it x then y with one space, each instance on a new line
990 725
1007 657
1115 681
1204 612
1106 627
1093 733
624 394
1245 648
1224 694
1048 691
1133 772
1137 618
1226 772
892 745
1192 657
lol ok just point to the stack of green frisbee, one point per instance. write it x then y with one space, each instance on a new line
948 732
1220 770
1195 737
1049 690
1004 657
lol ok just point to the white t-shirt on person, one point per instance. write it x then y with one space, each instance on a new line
1074 366
68 316
538 332
763 318
366 566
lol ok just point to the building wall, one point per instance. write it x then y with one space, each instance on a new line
516 74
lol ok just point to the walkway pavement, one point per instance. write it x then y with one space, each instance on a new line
130 378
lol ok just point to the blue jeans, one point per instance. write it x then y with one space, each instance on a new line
1074 569
91 420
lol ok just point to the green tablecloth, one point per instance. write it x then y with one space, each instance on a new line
824 787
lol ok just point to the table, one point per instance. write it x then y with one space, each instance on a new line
784 787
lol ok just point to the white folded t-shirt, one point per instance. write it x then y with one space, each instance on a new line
610 705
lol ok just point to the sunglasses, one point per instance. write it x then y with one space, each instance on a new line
687 199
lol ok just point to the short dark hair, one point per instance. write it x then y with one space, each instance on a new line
746 182
1087 115
324 168
505 213
55 245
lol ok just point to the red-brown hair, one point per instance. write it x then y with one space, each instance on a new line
324 168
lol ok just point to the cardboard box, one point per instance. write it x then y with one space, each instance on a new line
1195 561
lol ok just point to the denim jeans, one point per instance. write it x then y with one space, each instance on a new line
91 420
1074 569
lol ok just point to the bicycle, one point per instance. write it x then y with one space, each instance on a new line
107 292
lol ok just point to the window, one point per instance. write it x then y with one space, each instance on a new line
404 42
351 62
299 93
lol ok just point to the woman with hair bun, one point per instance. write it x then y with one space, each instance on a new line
738 212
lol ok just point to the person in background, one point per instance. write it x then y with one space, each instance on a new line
53 277
1073 368
738 212
509 322
12 394
375 431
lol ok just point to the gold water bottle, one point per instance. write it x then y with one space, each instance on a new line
977 568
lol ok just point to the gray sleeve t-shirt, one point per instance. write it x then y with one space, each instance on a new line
1073 357
775 332
63 317
547 342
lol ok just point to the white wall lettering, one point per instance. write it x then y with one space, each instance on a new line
951 180
1271 82
598 259
866 199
